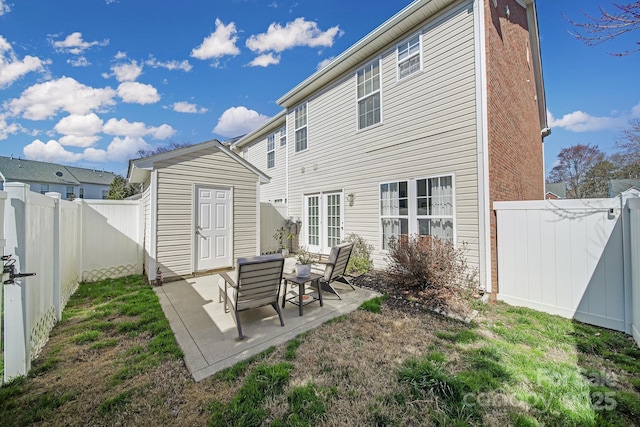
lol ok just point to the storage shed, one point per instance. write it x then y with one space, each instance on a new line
201 209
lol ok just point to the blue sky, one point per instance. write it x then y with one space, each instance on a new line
90 83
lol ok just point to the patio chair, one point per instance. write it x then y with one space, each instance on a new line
335 268
257 285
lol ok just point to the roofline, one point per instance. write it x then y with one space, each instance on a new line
148 162
340 64
270 125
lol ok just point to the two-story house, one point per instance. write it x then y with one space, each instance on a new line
417 128
71 182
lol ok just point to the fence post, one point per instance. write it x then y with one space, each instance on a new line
57 267
3 197
80 237
17 349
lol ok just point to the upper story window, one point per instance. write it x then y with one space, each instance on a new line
105 193
70 192
300 115
409 57
271 151
81 193
283 136
368 78
44 188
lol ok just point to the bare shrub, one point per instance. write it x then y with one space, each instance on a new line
427 263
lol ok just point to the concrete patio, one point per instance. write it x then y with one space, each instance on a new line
208 336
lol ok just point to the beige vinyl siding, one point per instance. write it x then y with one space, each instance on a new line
146 209
428 128
175 226
257 154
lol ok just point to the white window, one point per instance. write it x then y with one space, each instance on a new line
368 79
44 188
417 206
271 151
301 127
105 193
70 192
394 210
409 57
81 193
283 136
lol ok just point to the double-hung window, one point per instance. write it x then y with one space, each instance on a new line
409 56
271 151
417 206
368 92
394 210
300 116
434 207
44 188
283 136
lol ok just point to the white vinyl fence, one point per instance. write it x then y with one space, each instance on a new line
572 258
272 217
61 242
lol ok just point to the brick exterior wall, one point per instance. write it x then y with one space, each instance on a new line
515 144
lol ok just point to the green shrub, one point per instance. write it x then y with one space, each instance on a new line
360 260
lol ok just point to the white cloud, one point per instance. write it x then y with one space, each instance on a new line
219 43
120 55
579 121
12 68
296 33
187 107
324 63
119 150
4 7
265 60
238 121
79 141
125 128
52 151
138 93
169 65
127 72
79 130
7 129
44 100
80 61
74 44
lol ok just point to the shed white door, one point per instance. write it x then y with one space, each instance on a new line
213 230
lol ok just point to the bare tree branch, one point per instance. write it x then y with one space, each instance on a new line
609 25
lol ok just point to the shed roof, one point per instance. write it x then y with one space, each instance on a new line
139 169
15 169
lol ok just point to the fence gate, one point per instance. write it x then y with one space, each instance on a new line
565 257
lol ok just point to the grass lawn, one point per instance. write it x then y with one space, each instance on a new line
113 360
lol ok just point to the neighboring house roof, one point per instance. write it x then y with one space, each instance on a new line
139 169
618 186
559 189
91 176
19 170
